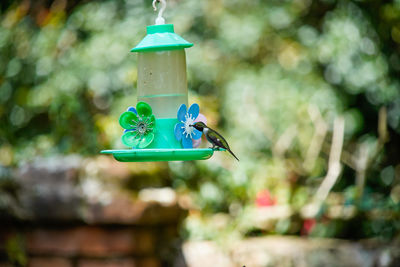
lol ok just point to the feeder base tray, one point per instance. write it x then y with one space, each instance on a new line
144 155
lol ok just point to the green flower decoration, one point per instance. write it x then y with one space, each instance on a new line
139 124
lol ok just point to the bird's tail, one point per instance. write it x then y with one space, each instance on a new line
230 151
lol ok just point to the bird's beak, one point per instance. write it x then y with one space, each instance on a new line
191 125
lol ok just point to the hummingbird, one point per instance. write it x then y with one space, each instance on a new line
213 137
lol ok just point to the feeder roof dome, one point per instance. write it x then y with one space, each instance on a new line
161 37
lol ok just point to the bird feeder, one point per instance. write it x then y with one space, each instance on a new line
158 128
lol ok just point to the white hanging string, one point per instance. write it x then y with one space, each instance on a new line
160 20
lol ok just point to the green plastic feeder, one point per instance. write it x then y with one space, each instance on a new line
162 84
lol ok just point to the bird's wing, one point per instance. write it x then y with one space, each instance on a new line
217 139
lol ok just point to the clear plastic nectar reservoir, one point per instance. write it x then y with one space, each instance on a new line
162 81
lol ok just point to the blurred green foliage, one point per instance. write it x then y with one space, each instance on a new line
16 251
272 76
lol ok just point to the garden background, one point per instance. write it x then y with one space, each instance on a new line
306 92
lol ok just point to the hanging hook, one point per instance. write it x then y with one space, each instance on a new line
160 19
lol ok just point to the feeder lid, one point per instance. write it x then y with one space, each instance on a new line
161 37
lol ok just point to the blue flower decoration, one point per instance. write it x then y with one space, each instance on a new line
183 131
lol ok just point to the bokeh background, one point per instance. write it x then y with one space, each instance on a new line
306 93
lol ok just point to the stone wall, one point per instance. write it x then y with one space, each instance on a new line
60 212
286 251
84 245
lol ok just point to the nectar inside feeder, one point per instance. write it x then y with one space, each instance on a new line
153 128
